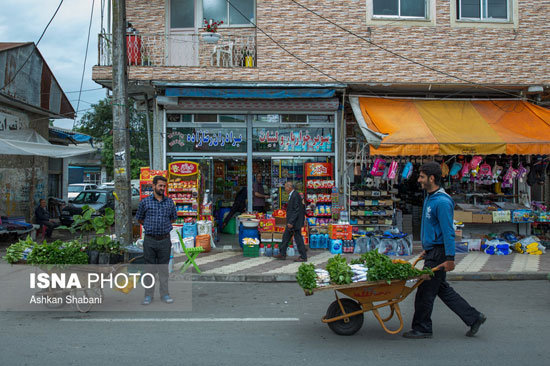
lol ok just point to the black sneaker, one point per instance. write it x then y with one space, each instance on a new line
475 327
416 334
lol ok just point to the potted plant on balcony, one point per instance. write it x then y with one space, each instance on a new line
211 34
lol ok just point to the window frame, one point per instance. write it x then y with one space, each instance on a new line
399 16
396 20
228 24
511 23
483 7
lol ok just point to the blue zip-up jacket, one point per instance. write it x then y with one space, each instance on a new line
437 222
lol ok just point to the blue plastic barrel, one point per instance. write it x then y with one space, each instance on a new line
247 232
221 214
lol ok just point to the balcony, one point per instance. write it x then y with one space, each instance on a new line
232 50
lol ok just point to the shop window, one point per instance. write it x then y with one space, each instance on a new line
206 118
221 10
400 8
484 10
176 117
240 118
189 139
293 140
320 118
293 118
267 118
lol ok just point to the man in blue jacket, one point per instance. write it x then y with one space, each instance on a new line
438 242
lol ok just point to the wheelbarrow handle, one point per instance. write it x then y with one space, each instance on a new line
422 258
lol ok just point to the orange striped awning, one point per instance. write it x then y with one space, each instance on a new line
438 127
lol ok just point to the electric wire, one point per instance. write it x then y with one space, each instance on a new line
84 65
36 46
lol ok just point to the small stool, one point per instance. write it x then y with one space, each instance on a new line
41 231
191 254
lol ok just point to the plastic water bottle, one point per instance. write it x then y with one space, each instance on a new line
262 250
313 241
276 250
290 251
326 242
268 251
171 262
336 246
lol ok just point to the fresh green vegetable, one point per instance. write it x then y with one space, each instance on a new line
58 252
381 267
14 253
306 276
339 270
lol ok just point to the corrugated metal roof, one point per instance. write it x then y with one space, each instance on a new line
9 45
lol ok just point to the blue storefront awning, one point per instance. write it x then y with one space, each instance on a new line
249 93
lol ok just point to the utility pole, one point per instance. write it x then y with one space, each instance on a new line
121 134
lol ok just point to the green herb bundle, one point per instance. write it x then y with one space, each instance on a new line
306 276
14 253
339 270
381 268
58 252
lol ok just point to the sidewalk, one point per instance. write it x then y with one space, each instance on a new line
219 265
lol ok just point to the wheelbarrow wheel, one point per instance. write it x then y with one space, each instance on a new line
343 327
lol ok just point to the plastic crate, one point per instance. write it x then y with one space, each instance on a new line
251 251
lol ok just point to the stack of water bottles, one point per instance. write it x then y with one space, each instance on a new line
319 241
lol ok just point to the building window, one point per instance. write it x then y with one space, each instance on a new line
221 10
400 8
484 10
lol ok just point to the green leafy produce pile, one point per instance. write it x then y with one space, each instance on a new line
14 252
381 267
339 270
58 252
306 276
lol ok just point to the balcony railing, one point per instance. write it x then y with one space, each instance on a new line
232 50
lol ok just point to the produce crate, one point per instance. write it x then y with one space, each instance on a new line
251 251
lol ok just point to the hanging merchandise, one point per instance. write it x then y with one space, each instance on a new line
474 165
455 170
508 179
522 172
497 171
378 167
407 170
485 175
465 174
444 169
394 167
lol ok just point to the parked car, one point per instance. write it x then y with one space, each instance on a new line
135 199
76 188
98 199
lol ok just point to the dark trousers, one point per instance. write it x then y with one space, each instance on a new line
234 210
156 254
438 286
259 208
49 227
295 232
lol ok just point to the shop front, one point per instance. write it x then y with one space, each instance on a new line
234 149
493 154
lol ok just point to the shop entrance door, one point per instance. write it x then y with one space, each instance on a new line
182 41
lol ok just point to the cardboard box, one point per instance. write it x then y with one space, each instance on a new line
463 216
267 225
280 221
482 218
266 237
277 237
340 232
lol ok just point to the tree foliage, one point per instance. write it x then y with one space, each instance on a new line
98 123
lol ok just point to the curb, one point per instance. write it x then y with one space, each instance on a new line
483 276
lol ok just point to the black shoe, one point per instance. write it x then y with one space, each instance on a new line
415 334
475 327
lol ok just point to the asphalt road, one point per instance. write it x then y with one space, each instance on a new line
224 328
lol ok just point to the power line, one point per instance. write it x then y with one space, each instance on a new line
85 58
36 46
401 56
280 46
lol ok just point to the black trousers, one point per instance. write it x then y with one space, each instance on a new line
438 286
156 254
234 210
49 227
295 232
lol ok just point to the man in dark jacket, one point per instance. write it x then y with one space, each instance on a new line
42 217
295 214
438 242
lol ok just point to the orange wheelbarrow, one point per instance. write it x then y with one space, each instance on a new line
345 315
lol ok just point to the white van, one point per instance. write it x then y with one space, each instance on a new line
76 188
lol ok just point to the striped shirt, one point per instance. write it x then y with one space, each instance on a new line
157 215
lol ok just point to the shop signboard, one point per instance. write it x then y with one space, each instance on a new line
149 174
183 168
206 140
302 140
318 169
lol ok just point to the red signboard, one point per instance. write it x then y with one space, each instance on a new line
183 168
149 174
319 169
